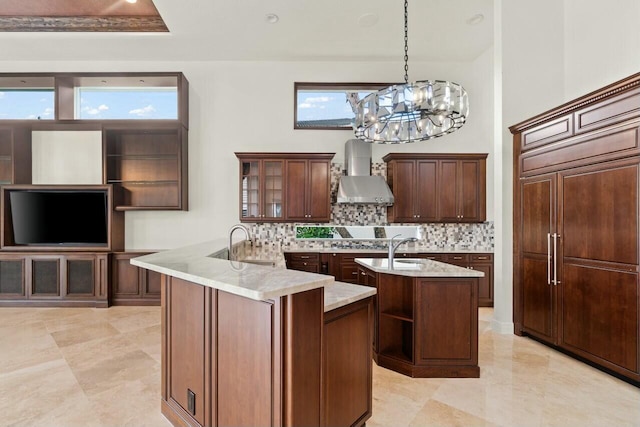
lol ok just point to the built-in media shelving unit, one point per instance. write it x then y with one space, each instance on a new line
144 167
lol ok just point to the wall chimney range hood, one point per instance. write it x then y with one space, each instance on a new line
359 186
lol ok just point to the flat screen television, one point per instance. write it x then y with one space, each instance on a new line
46 217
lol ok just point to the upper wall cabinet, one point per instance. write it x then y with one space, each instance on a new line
143 117
437 187
285 187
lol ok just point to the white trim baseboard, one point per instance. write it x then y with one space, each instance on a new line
504 328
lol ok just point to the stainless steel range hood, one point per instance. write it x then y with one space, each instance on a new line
358 186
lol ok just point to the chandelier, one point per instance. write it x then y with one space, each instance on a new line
411 112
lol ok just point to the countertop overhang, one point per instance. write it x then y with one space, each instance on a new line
414 267
195 264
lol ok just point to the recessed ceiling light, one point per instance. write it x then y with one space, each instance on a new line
368 20
475 19
132 1
271 18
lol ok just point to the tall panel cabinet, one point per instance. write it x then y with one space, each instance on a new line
576 216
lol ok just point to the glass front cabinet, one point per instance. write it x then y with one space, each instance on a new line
261 190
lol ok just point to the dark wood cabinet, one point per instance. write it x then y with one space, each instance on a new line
304 261
15 155
230 360
437 187
147 165
368 278
185 347
347 367
308 190
54 279
476 261
417 331
414 184
285 187
577 177
131 285
344 268
262 189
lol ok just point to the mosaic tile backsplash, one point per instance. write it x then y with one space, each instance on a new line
476 236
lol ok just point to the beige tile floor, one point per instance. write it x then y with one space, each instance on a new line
101 367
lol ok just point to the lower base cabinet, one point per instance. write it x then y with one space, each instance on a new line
74 279
131 285
233 361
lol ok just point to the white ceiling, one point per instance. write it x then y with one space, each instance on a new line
315 30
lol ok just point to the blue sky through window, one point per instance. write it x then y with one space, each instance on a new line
32 104
127 103
325 105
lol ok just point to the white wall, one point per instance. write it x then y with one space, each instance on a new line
532 63
601 43
248 106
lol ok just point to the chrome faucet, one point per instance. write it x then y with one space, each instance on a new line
234 228
392 247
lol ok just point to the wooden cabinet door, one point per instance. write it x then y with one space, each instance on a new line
598 254
317 191
296 206
448 191
426 191
471 191
404 191
271 189
538 219
186 347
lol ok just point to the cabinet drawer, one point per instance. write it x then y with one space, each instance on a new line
305 257
349 273
482 257
311 267
457 259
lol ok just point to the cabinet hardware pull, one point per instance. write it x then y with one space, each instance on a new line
556 236
457 257
548 258
363 273
304 257
355 273
483 257
304 263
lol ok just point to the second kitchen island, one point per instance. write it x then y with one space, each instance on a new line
426 317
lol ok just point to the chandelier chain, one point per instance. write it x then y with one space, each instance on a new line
406 41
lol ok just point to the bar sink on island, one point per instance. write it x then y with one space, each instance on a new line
426 317
251 345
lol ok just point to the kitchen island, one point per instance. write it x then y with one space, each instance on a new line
244 344
426 317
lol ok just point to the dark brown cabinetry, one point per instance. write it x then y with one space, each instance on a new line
476 261
437 187
60 279
145 160
230 360
285 187
418 332
131 285
304 261
576 228
344 268
15 155
147 166
308 190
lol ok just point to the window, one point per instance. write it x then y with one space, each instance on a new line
126 103
28 98
126 98
326 105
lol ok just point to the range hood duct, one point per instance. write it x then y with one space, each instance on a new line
358 186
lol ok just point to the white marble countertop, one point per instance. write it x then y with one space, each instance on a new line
195 264
339 294
417 268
